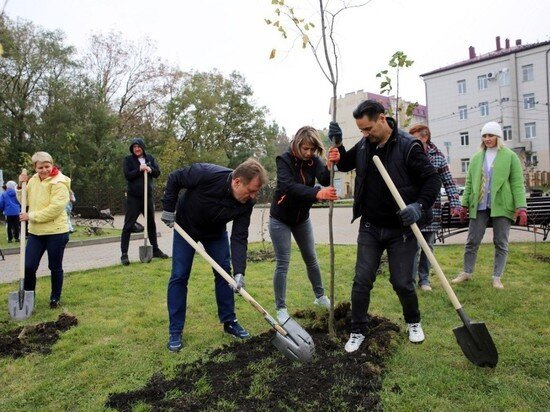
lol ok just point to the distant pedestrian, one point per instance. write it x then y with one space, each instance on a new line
135 165
298 169
494 191
47 197
69 209
438 160
11 208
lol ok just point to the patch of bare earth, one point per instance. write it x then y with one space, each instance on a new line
39 338
254 376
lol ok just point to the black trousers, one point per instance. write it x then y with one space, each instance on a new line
13 227
134 207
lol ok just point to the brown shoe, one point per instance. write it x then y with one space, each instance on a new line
497 284
462 277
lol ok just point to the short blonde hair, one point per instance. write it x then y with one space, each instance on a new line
41 157
307 134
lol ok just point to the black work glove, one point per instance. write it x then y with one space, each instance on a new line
411 213
335 133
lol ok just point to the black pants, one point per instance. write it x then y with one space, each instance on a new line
134 207
13 227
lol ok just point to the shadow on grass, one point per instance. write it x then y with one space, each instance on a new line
253 375
39 338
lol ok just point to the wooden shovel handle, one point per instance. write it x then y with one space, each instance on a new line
145 204
226 276
418 234
23 230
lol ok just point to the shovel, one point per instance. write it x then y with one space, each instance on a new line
21 303
290 338
473 338
145 252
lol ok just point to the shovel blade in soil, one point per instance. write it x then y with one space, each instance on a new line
297 344
477 344
21 304
145 254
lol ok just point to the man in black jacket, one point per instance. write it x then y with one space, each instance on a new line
383 226
134 166
213 197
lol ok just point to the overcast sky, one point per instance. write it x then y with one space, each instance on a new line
232 35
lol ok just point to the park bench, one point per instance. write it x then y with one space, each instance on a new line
91 216
538 219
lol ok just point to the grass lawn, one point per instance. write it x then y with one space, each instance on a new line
121 336
80 234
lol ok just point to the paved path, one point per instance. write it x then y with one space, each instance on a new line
108 254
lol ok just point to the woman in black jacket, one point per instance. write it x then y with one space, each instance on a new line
297 170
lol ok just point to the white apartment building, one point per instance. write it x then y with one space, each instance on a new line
510 85
345 105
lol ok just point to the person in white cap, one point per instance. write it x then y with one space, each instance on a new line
494 190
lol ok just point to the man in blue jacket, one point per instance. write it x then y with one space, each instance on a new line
383 226
135 165
213 197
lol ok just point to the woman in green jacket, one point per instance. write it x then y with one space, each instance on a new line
494 190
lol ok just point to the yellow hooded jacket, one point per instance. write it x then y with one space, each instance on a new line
47 200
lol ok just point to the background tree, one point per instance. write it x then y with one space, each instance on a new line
325 51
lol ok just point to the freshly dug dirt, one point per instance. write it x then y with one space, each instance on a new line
254 376
38 338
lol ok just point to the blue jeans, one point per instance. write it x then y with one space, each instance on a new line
401 246
422 264
36 246
182 261
280 236
476 231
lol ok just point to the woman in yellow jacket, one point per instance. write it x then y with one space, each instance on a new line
47 197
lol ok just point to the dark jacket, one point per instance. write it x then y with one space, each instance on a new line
295 191
208 205
408 166
134 176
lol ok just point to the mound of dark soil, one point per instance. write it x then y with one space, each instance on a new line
38 338
254 376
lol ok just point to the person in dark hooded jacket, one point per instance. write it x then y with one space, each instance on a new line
134 167
11 208
297 171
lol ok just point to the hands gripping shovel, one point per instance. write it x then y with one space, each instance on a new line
145 251
21 303
473 338
290 338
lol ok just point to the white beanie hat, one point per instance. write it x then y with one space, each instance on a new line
492 128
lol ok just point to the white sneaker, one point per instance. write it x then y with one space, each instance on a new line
355 340
426 288
323 301
282 315
416 335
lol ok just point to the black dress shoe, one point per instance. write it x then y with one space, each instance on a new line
160 254
124 260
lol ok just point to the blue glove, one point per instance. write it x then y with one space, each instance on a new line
239 280
335 133
168 218
411 214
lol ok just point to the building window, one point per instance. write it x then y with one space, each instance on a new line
530 130
504 77
462 112
464 139
531 159
507 133
461 86
464 164
482 83
484 109
529 101
527 71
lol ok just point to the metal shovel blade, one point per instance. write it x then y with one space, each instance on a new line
297 344
145 254
477 344
21 304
